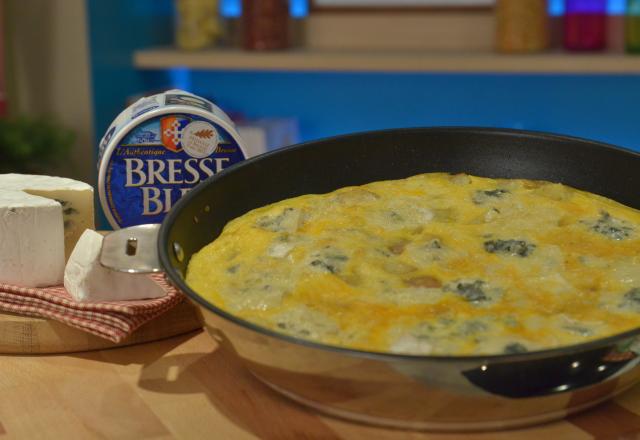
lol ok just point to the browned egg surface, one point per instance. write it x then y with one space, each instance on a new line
432 264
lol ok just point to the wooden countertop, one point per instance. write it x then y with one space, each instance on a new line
187 387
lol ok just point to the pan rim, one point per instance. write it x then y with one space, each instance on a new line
178 280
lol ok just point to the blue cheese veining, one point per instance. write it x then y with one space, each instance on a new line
74 197
432 264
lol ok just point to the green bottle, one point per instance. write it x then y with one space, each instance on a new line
632 26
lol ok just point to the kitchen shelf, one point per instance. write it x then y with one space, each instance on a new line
390 61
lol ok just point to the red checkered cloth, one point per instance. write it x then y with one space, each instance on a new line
113 320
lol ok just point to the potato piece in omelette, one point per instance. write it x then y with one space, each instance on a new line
433 264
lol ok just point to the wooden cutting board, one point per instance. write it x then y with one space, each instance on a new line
27 335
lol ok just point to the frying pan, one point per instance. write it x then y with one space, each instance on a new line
417 392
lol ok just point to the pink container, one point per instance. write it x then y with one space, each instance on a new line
585 25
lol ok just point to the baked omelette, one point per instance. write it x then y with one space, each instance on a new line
433 264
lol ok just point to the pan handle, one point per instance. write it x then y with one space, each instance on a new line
132 250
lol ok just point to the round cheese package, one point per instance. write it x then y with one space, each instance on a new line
159 148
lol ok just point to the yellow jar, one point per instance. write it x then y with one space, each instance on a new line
522 25
197 24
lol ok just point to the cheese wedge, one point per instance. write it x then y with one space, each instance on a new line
86 280
76 199
31 240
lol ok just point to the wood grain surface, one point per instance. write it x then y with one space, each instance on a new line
188 387
23 334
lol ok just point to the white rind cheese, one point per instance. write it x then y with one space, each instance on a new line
86 280
76 199
31 240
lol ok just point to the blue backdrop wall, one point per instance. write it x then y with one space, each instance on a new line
602 107
599 107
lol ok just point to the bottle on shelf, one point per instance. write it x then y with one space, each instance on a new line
299 11
632 26
522 26
585 25
616 39
197 24
265 24
231 21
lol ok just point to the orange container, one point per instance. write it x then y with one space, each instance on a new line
522 26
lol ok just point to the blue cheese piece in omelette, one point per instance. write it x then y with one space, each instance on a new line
434 264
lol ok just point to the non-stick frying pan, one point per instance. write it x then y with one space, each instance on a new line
422 392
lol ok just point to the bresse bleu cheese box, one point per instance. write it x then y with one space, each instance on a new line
159 148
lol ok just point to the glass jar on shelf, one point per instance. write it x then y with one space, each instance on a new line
632 26
522 25
197 24
585 25
265 24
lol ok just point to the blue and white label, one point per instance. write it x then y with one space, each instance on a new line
160 160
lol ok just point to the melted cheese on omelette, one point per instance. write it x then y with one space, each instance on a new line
432 264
